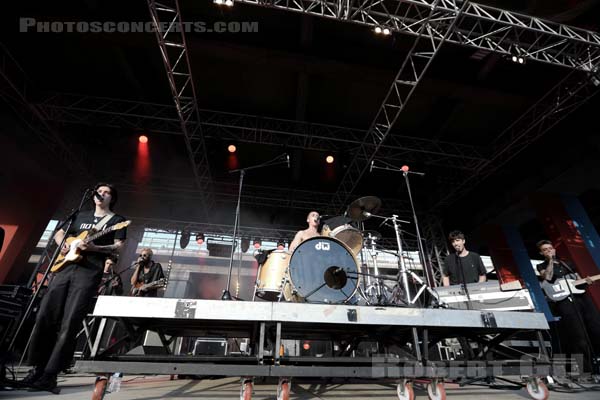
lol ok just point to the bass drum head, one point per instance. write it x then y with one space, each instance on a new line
324 270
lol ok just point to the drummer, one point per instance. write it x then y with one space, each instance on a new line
312 219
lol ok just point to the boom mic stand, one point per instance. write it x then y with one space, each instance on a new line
281 159
405 171
65 225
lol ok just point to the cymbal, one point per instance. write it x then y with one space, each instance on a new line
358 207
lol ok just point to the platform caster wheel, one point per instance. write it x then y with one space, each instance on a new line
246 389
436 391
405 391
283 389
100 387
537 389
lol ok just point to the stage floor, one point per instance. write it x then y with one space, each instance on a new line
135 387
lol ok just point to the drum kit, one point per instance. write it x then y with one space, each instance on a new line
340 266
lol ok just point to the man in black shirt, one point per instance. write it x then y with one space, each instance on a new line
579 325
462 263
111 283
146 279
71 291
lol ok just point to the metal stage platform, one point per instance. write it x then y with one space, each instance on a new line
407 340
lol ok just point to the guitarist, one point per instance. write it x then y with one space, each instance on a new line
71 291
146 272
579 325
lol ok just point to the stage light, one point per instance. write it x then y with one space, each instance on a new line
257 243
521 60
306 346
229 3
280 244
405 168
386 31
218 2
231 148
143 139
184 240
245 244
200 238
378 29
514 58
329 159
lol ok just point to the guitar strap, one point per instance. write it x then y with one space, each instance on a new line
100 225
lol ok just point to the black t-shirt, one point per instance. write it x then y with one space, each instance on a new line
154 274
84 222
471 264
559 270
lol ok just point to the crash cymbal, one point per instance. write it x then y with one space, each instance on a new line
357 209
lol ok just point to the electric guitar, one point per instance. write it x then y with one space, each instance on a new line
74 254
139 288
562 288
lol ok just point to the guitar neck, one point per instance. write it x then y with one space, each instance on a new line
99 234
581 281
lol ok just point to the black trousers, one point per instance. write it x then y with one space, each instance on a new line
60 316
578 318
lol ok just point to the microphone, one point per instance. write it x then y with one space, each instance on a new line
372 163
98 196
287 156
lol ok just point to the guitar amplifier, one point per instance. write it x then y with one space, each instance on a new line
13 302
486 296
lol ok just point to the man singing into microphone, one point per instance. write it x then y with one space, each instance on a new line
146 279
312 219
463 266
579 318
71 291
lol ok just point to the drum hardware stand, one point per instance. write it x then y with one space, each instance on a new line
279 160
284 281
377 281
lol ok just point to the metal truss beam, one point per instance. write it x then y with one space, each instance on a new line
253 195
436 245
173 49
15 88
409 76
117 113
562 100
481 27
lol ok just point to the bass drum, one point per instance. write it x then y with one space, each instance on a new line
323 270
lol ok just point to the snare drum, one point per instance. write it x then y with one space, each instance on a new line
272 275
323 270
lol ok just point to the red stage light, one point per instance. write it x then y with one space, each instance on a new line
404 168
143 139
306 346
257 245
329 159
231 148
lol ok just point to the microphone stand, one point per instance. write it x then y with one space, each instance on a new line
390 167
281 159
87 196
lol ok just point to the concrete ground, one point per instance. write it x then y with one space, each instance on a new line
77 387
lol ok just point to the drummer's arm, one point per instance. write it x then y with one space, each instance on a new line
296 241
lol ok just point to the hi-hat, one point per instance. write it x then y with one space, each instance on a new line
373 235
360 209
